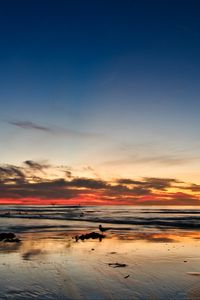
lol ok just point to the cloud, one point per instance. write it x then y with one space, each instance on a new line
35 165
88 183
19 183
167 160
30 125
138 191
193 187
68 174
159 183
150 183
128 181
9 173
54 189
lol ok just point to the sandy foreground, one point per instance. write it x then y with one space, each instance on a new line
52 265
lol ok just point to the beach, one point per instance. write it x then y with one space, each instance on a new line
100 150
131 262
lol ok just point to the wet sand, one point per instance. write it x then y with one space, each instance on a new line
52 265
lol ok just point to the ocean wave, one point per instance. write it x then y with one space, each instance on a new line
137 217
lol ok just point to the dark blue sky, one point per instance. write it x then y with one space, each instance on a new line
82 32
48 40
125 70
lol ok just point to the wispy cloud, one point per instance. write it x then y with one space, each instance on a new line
36 165
10 173
28 125
167 160
159 184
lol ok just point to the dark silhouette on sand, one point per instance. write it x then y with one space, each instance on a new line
8 237
91 235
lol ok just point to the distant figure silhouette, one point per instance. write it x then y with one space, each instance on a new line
102 229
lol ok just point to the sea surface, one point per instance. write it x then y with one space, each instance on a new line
52 217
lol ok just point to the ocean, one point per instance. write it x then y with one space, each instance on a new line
59 218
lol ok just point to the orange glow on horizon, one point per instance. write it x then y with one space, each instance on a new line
93 201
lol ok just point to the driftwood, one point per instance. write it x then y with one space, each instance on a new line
117 265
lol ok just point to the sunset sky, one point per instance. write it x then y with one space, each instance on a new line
99 102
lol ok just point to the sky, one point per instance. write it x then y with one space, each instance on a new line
101 92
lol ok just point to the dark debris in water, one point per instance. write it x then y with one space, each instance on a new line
117 265
8 237
91 235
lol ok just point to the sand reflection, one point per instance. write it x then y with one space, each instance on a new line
53 265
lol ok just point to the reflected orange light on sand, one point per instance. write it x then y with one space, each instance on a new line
34 246
168 237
